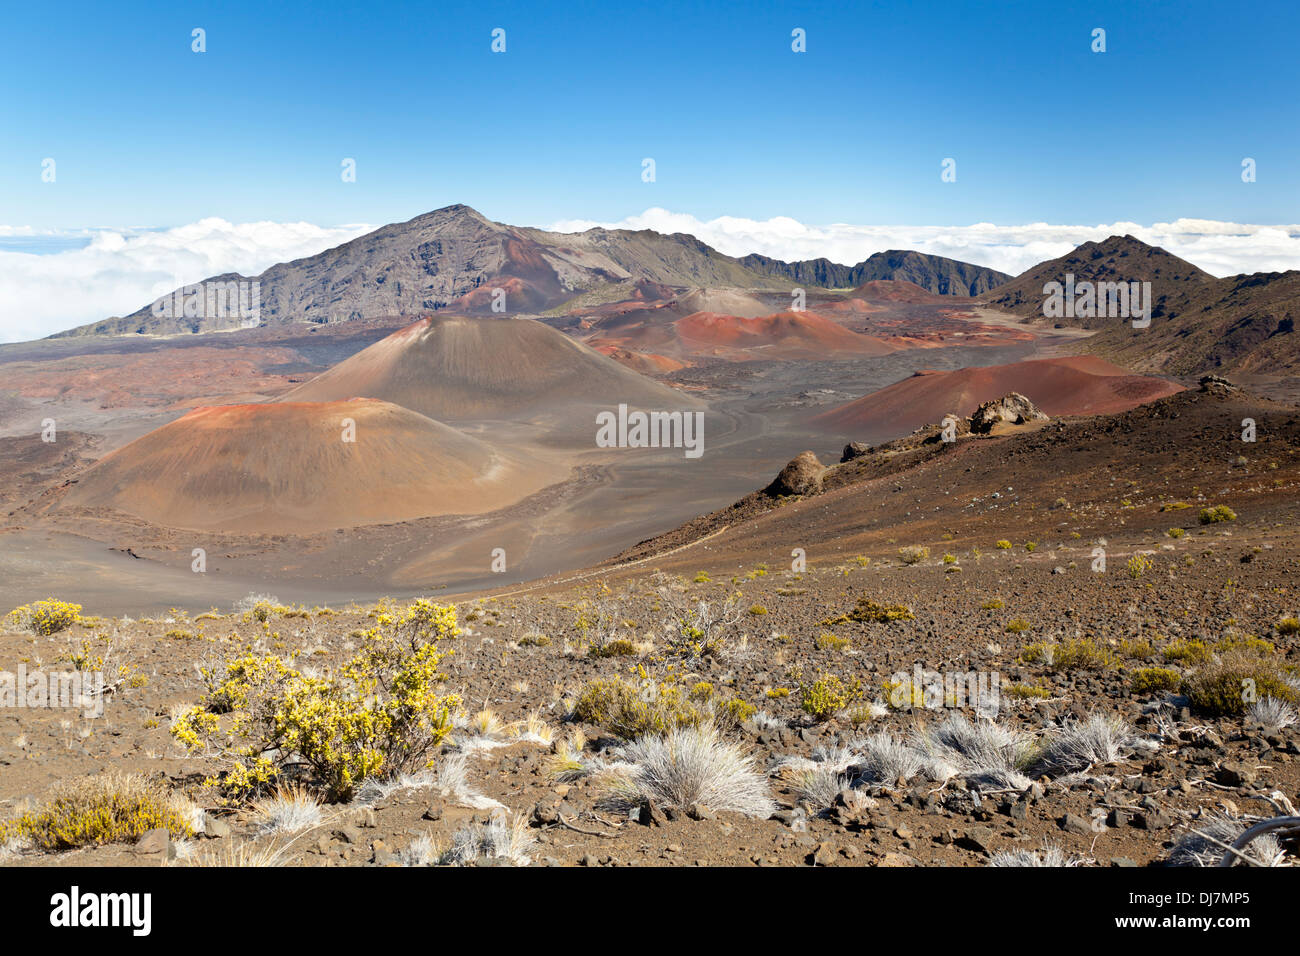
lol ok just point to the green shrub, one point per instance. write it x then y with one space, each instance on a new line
628 711
619 647
1244 642
1138 649
827 696
1188 653
913 554
1083 654
380 715
832 642
869 611
1151 680
108 808
1217 514
1225 687
45 617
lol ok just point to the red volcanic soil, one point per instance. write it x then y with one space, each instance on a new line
647 363
783 335
451 367
1079 385
285 467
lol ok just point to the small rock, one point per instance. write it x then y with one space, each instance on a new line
1073 823
348 834
157 840
825 854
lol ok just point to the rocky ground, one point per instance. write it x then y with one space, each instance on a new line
1127 812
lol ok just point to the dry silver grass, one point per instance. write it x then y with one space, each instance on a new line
497 839
568 760
690 765
1271 713
249 601
883 759
1080 744
452 780
1208 840
532 729
763 722
422 851
1047 856
984 752
239 855
482 731
449 780
288 810
819 786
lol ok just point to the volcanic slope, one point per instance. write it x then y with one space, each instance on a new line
456 368
1063 484
1077 385
1118 259
287 467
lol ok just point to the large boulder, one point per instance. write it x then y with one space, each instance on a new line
1216 383
803 476
855 449
1015 409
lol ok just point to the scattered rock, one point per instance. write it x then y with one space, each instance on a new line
802 476
1073 823
1015 409
156 841
824 855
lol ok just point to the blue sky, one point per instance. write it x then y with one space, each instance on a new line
146 133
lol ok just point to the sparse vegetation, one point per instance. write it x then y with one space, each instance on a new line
827 695
45 617
1217 514
380 715
871 611
1223 688
109 808
1154 680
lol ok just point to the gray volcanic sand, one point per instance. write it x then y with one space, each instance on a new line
610 500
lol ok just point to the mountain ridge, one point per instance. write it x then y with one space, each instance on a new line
456 259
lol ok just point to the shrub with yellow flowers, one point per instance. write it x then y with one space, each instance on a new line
44 617
381 714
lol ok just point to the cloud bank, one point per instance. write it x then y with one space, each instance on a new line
115 271
90 275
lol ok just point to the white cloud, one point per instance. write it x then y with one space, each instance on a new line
118 271
1220 248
